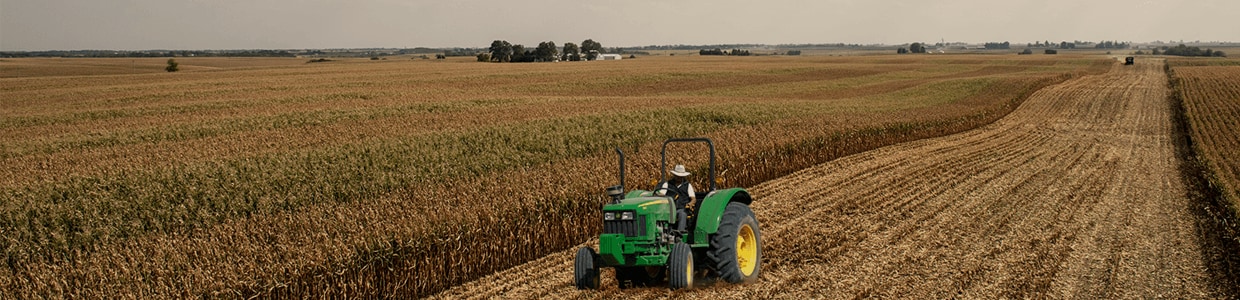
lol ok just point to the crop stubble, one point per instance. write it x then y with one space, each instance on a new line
1076 194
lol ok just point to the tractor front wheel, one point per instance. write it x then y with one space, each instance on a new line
585 269
736 248
680 267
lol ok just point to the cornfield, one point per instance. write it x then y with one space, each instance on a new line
1209 90
406 177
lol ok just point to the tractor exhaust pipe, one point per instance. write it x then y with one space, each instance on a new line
616 192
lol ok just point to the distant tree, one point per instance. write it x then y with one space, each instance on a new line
520 55
917 48
172 66
571 52
546 51
501 51
591 48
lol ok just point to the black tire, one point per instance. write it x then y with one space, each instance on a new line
680 267
723 257
631 277
585 270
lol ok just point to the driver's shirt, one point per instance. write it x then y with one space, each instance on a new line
688 188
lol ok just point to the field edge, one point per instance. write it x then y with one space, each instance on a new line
1217 212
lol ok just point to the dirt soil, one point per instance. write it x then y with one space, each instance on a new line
1076 194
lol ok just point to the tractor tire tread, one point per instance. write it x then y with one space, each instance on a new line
721 256
681 259
585 269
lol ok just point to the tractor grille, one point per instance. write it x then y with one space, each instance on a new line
631 228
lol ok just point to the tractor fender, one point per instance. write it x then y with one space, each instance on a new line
711 211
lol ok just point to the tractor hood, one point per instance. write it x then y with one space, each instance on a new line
660 207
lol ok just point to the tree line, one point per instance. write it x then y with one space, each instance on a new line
921 47
996 45
1112 45
1183 50
503 51
734 52
1048 44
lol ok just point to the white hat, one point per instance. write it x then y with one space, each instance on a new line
679 170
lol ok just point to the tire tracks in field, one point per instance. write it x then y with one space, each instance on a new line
1076 194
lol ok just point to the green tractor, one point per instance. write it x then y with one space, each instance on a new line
648 239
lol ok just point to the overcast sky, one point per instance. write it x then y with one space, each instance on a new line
298 24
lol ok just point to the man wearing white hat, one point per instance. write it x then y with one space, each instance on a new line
682 193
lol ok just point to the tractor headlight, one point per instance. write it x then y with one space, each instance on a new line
609 216
628 215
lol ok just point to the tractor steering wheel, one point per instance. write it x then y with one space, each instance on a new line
659 187
667 191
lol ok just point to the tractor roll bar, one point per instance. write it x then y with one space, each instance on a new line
616 192
621 153
663 159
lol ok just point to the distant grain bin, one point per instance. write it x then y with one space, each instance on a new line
609 57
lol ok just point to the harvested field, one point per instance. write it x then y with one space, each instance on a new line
45 67
1076 194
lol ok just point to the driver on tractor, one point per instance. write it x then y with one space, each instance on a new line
682 194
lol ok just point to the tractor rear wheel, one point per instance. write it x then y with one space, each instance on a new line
638 276
680 267
736 248
585 269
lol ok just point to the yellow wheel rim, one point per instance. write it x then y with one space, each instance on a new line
746 250
689 272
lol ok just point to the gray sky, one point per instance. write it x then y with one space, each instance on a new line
295 24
